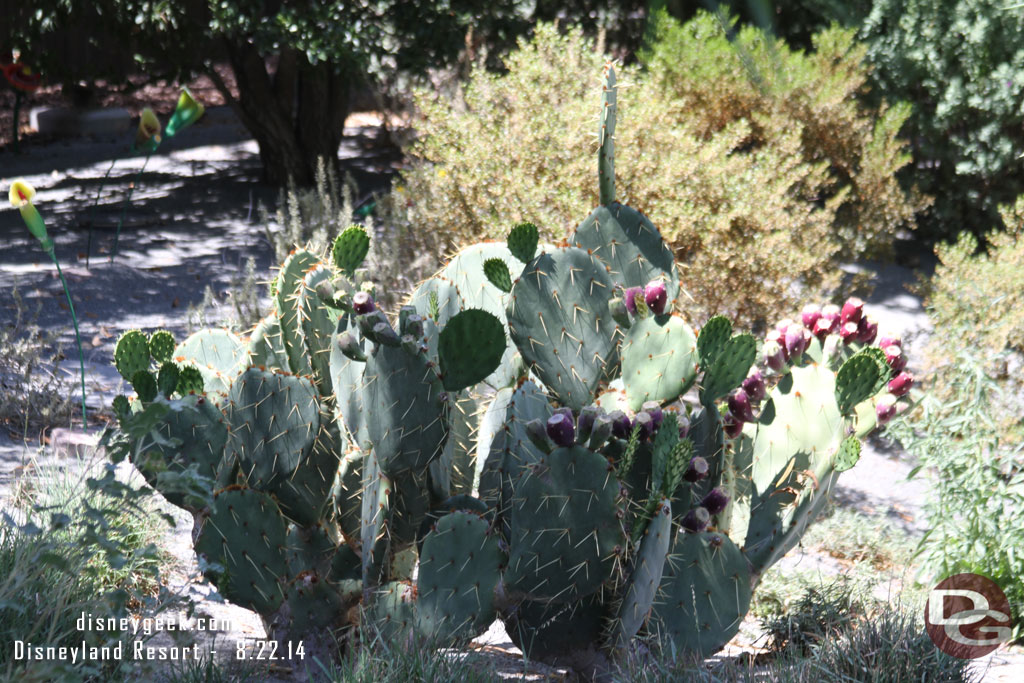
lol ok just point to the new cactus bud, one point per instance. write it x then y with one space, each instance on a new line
560 430
886 340
620 314
629 298
696 470
732 426
848 332
885 409
585 424
823 328
895 358
739 406
653 408
414 326
537 431
715 501
368 321
754 386
810 315
601 432
867 330
852 311
646 424
362 302
621 425
348 345
900 384
774 355
325 292
656 296
383 333
696 520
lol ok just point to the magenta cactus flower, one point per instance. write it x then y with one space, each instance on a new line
852 311
810 315
895 357
886 340
831 313
848 332
885 409
656 296
823 328
867 330
900 384
629 298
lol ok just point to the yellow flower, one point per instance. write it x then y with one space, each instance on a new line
21 195
185 114
147 138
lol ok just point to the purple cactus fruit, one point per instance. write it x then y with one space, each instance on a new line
629 298
684 426
585 424
823 328
621 426
895 358
831 313
715 501
656 296
852 311
848 332
754 386
774 355
696 520
565 411
646 424
867 330
696 470
810 315
653 408
560 430
739 406
795 343
886 340
900 384
885 409
784 325
362 302
732 425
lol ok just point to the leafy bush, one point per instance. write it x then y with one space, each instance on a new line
737 180
961 65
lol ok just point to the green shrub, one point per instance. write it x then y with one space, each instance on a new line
753 210
961 65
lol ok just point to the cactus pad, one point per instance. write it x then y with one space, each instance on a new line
659 360
161 346
712 339
350 249
218 354
522 241
131 353
497 274
643 584
729 368
470 348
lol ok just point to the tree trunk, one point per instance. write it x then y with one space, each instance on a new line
296 114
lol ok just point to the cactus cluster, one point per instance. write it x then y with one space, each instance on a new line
539 435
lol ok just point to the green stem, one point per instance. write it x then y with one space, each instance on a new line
92 209
78 337
17 116
127 201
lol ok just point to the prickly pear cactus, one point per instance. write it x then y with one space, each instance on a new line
540 435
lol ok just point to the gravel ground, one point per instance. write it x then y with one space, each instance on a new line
194 221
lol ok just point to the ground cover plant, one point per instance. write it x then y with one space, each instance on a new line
539 432
762 166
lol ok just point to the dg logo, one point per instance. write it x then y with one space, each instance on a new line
967 616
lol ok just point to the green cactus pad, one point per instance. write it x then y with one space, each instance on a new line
266 347
218 354
145 385
857 380
712 339
729 369
161 346
313 603
453 472
470 348
705 593
246 534
437 298
497 274
522 241
558 318
375 510
350 249
190 380
347 380
458 571
642 586
121 406
286 303
347 495
167 379
606 138
458 503
566 534
131 353
630 244
318 321
848 454
408 421
309 548
558 631
392 613
659 360
410 503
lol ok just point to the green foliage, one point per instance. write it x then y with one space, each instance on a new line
752 184
960 64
